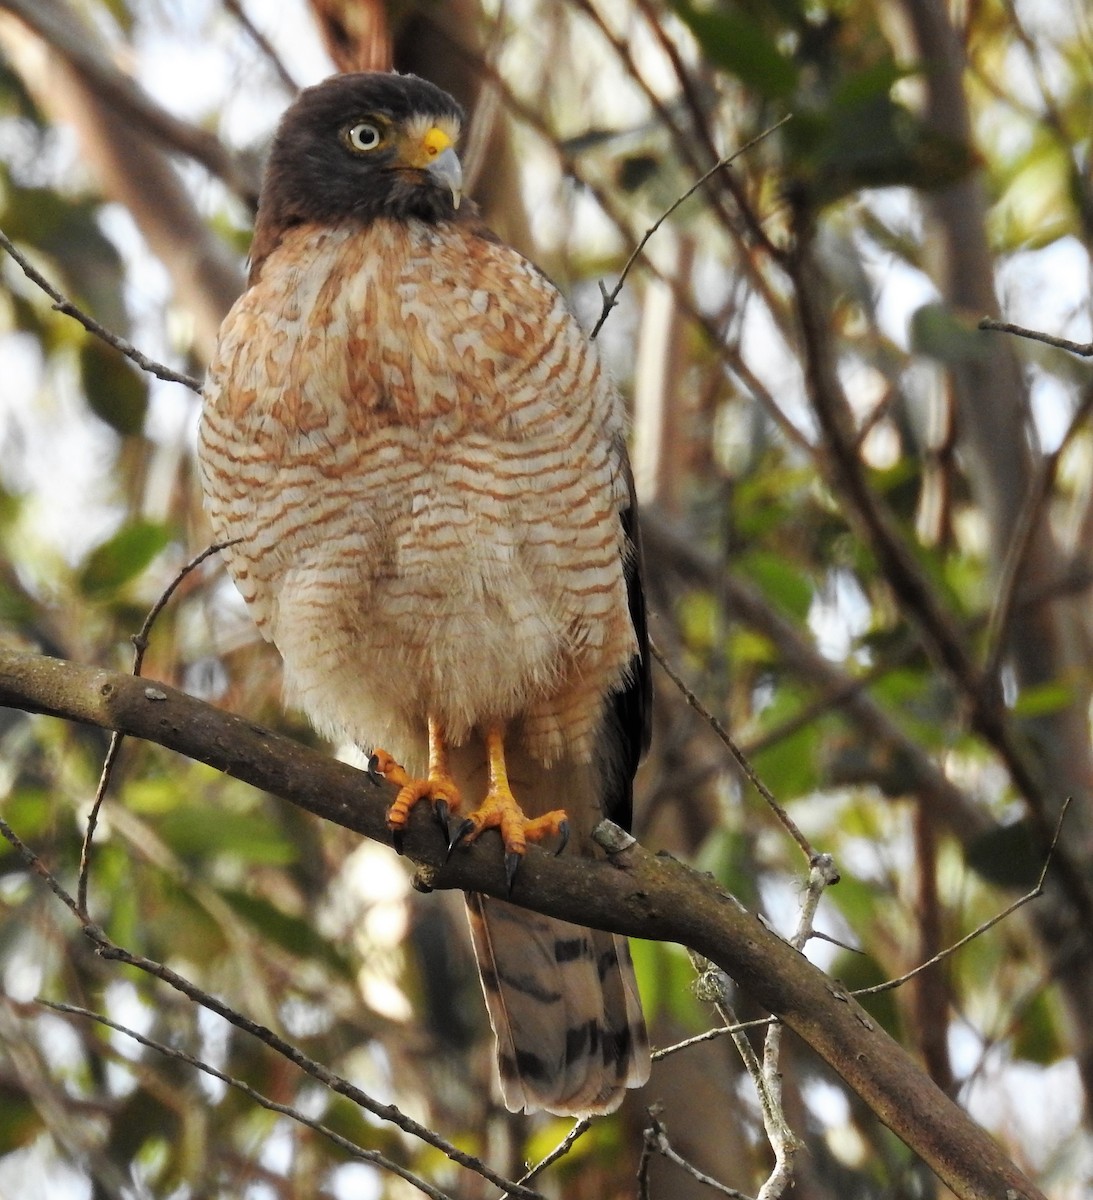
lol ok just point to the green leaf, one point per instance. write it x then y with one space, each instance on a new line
122 558
1037 1038
68 231
788 766
197 831
292 933
1043 699
1007 856
666 982
871 141
19 1121
153 795
1036 204
115 392
30 810
860 87
738 44
781 582
939 333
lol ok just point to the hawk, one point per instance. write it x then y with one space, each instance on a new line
420 464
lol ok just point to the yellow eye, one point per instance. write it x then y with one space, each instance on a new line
363 136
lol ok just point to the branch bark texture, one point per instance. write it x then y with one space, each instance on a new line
635 892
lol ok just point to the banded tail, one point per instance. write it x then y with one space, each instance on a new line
564 1006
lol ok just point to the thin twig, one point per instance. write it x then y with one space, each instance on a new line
62 304
611 299
690 144
105 775
655 1141
387 1112
140 646
709 1036
263 43
713 986
1082 349
979 930
643 1169
692 98
784 1142
1028 522
723 734
39 868
286 1110
112 952
140 639
580 1128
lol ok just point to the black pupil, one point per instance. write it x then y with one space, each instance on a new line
366 136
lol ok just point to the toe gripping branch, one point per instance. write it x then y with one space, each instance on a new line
499 809
438 787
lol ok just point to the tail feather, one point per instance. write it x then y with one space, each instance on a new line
564 1006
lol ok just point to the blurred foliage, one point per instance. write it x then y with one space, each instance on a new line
321 939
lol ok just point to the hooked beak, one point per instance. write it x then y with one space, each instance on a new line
446 169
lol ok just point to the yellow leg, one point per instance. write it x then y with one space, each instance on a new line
500 810
438 787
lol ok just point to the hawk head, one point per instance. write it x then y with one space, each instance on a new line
361 146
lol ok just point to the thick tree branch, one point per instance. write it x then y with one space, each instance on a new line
635 893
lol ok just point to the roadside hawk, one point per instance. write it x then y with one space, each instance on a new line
421 464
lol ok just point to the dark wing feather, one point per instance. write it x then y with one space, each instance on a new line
627 725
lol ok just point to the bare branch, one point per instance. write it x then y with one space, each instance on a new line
109 950
713 986
784 1142
726 740
580 1128
62 304
1028 522
611 299
140 645
1082 349
710 1035
285 1110
979 930
655 1141
264 44
39 868
634 892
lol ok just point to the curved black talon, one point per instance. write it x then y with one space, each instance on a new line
512 865
458 834
563 829
373 774
441 812
398 839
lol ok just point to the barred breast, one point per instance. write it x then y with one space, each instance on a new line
426 483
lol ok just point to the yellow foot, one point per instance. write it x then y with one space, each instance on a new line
500 810
438 788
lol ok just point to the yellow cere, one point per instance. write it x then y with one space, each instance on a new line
435 141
